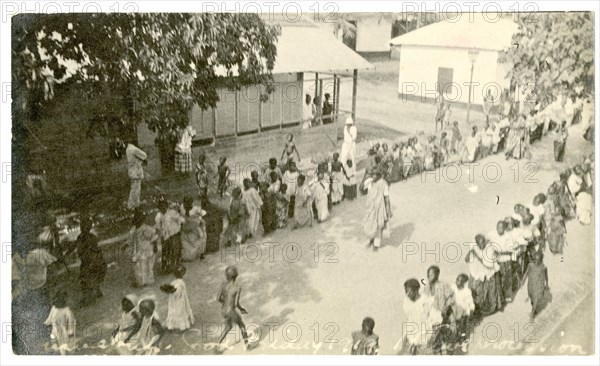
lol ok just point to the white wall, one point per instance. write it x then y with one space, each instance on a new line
420 65
373 34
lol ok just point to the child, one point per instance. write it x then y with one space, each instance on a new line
229 297
364 341
180 316
147 332
237 216
129 317
290 178
63 323
168 224
456 138
350 190
202 179
537 284
269 208
463 308
447 114
337 180
288 151
282 206
223 176
444 147
193 230
321 190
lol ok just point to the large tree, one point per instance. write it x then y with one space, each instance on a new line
153 66
552 56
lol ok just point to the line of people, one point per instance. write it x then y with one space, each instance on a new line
499 264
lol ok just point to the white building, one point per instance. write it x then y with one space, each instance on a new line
436 58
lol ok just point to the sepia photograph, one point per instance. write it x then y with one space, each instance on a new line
299 179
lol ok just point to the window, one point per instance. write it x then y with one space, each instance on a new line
444 79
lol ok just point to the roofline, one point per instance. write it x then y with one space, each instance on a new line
453 47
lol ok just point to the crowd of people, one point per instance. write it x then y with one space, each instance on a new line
499 264
281 196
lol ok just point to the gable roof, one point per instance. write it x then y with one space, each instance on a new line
303 46
478 33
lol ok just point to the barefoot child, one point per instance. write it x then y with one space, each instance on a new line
288 151
537 284
364 341
229 297
63 323
456 138
180 316
237 216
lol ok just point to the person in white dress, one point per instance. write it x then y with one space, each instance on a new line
180 316
63 323
349 145
421 317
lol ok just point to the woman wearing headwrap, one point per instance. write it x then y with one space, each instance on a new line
146 332
129 317
378 208
143 238
556 230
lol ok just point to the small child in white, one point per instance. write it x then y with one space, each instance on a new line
180 316
129 317
63 323
464 306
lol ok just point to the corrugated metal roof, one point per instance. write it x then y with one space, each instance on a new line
479 33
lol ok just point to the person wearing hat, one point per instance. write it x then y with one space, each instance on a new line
378 208
349 145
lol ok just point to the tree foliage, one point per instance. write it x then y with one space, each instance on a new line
153 66
553 54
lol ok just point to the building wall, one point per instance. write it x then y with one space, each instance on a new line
283 106
418 73
373 34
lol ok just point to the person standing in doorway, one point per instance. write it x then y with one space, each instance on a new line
327 110
136 157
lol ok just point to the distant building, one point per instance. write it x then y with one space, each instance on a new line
436 58
309 61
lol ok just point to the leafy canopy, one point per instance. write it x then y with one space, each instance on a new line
554 54
163 63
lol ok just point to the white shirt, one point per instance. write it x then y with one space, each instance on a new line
307 114
135 156
464 298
